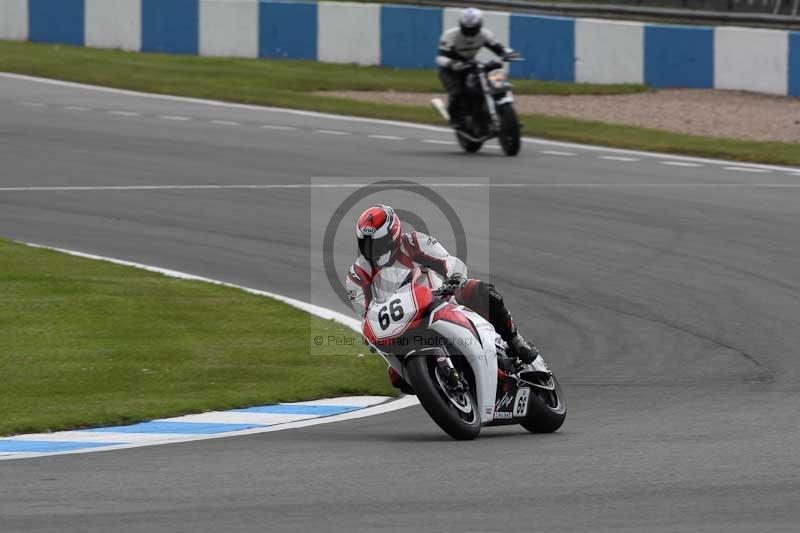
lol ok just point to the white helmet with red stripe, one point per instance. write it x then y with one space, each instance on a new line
379 234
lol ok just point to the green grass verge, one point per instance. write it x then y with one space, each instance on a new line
289 84
87 343
247 80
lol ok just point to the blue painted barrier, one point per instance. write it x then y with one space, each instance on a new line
56 21
170 26
548 45
679 56
409 36
287 30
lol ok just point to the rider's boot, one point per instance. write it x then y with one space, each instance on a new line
524 350
488 302
455 112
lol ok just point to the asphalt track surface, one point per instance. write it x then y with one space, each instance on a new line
666 297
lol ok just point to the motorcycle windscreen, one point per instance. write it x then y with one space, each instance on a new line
388 281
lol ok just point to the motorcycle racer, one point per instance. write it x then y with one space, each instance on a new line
458 46
381 243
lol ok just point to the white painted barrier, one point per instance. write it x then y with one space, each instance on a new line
113 24
751 60
495 21
349 33
229 28
609 51
14 20
558 48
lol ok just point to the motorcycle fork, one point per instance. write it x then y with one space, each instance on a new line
490 106
448 370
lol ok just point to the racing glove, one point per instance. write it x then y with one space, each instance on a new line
452 284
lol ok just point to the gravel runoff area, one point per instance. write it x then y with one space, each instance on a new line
712 113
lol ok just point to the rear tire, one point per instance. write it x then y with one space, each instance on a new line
420 371
547 410
509 130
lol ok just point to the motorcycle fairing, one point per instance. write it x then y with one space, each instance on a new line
479 353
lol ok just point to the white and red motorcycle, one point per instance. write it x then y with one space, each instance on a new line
454 360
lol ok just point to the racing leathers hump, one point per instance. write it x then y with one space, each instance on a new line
416 249
455 46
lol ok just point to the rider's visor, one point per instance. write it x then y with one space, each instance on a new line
471 31
372 248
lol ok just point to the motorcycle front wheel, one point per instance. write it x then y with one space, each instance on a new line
509 130
456 413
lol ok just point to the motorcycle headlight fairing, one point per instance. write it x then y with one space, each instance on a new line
497 78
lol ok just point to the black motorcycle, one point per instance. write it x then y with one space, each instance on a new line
489 109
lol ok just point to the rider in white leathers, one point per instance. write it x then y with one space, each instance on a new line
382 243
457 48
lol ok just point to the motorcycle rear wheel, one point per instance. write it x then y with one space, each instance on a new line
460 425
547 410
509 130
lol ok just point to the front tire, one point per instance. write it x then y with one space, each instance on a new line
547 410
509 130
421 372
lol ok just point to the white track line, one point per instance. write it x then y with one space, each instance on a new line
75 108
394 123
748 169
332 132
328 314
387 137
618 158
556 152
124 113
437 141
31 104
656 155
224 122
680 164
279 128
174 117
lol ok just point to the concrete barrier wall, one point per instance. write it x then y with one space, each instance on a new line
620 57
14 20
555 48
113 24
751 59
349 33
229 28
